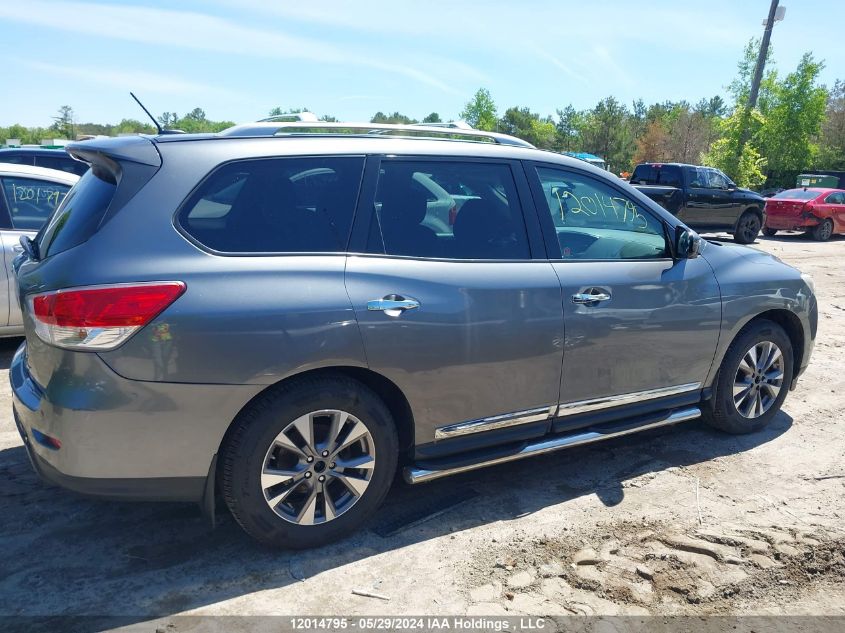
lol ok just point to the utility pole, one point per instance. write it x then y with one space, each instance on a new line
761 58
774 16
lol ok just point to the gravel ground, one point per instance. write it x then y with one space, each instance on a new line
680 521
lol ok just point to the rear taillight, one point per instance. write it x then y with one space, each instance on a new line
99 318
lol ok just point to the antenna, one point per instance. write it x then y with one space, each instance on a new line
155 122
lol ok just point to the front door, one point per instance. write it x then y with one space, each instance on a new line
700 211
466 320
639 325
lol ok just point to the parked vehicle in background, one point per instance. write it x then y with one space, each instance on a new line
40 157
592 159
271 313
817 211
28 196
703 198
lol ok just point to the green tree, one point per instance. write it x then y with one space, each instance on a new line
794 112
396 117
606 133
832 140
480 111
432 118
278 111
746 169
132 126
64 124
569 125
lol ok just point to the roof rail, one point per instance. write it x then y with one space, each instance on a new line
292 116
460 125
372 130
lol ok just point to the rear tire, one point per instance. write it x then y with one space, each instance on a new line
823 231
308 462
747 228
769 232
733 407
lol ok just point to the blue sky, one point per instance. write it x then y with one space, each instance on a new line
238 58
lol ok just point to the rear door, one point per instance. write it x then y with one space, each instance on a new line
639 326
29 202
467 320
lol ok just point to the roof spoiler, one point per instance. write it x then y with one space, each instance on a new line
133 149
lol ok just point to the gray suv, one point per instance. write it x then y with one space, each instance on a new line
284 314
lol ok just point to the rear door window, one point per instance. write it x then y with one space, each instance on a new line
670 176
32 201
78 216
449 210
277 205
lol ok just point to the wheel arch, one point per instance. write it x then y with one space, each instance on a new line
753 208
790 323
386 389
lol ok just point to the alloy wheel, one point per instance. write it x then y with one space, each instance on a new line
826 230
758 380
318 467
750 228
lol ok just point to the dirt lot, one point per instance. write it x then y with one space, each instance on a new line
682 521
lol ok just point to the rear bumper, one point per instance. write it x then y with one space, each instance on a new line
790 223
121 439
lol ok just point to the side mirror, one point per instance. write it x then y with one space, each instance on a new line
687 243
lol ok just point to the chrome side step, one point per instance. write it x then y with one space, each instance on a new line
415 475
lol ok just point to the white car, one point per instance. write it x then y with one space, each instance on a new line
28 196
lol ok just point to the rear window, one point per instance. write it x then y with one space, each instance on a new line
796 194
62 163
278 205
644 175
78 216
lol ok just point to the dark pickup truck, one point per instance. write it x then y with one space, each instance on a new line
704 198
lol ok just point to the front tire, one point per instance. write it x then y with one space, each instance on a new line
747 228
823 231
753 379
308 462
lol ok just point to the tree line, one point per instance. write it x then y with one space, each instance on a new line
797 125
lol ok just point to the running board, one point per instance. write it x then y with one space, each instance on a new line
417 475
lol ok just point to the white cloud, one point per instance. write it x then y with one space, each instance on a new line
135 80
197 31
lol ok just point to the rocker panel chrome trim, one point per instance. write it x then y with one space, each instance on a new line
495 422
596 404
414 475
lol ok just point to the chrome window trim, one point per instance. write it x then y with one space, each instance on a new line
596 404
538 414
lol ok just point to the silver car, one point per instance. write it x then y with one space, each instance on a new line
281 316
28 196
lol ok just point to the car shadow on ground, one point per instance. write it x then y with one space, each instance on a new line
68 555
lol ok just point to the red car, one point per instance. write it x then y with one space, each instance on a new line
820 212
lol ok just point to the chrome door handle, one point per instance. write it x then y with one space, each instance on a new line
393 305
17 248
586 297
